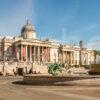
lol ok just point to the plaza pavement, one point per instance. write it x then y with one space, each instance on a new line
11 91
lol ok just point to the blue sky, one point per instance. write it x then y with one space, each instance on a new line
67 21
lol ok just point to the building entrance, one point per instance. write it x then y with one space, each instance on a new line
20 71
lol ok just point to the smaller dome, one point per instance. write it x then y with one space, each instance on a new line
28 27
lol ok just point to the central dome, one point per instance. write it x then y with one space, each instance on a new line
28 27
28 31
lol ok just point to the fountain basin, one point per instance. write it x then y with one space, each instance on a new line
49 79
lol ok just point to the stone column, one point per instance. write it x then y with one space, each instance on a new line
46 59
26 53
80 58
17 52
38 54
21 52
42 54
62 56
34 53
67 57
48 54
71 57
87 59
30 53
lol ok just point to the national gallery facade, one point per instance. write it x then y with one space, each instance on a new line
27 48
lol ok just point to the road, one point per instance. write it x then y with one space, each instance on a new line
9 90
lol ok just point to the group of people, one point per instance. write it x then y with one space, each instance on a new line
27 72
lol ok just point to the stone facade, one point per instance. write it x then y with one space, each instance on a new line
27 49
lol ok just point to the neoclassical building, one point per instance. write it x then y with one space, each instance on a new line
27 48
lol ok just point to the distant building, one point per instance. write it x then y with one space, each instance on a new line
27 48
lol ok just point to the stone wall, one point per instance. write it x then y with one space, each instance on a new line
9 68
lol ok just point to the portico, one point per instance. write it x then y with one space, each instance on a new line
32 53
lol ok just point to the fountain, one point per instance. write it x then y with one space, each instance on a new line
56 73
